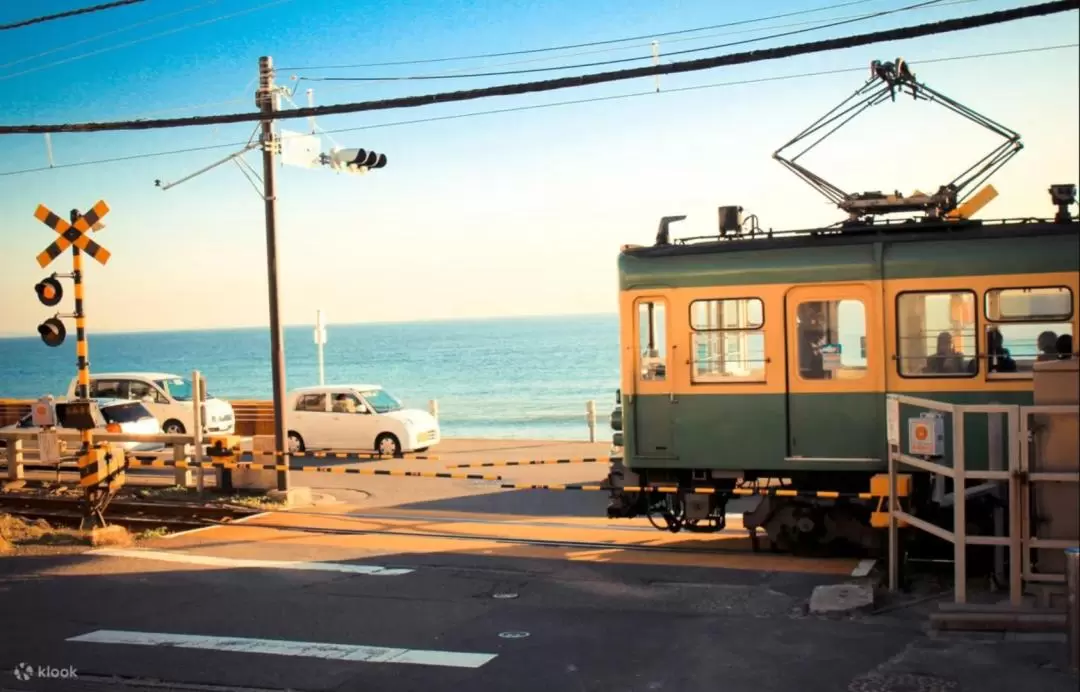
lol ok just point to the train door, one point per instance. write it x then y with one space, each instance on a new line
653 387
834 374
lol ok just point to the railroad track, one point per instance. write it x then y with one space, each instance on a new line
173 515
724 547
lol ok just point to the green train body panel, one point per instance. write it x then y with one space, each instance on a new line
970 251
767 432
747 432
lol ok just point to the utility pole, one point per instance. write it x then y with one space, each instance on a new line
352 161
266 100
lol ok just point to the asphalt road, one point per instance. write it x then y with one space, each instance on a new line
349 607
469 622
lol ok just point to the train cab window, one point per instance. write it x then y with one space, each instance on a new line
728 340
652 341
936 334
831 337
1024 326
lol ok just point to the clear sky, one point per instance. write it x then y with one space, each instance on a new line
500 214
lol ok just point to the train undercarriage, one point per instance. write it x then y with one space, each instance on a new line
794 515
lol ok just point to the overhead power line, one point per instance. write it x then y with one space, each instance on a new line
639 46
539 106
143 39
588 44
70 13
68 45
917 31
696 87
616 61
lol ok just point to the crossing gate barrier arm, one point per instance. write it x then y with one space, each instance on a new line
366 456
532 462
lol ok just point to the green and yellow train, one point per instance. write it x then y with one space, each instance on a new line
753 358
769 356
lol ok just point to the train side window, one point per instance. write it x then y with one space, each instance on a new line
935 332
728 340
831 339
652 341
1024 326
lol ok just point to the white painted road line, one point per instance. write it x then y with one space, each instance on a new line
236 563
863 568
282 647
241 520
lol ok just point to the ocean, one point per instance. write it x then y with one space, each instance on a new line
524 378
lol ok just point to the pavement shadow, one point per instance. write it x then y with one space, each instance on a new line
541 503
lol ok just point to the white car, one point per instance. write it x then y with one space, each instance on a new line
130 417
167 396
356 417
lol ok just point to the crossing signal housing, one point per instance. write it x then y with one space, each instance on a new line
52 332
49 291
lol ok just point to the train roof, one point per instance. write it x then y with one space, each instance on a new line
898 249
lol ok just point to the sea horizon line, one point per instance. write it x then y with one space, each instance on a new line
311 325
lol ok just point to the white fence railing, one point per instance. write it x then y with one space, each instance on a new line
1015 472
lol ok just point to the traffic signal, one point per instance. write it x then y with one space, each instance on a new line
52 332
354 160
49 291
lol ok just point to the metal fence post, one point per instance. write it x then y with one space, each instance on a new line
1072 582
590 418
15 468
433 408
960 543
181 476
198 410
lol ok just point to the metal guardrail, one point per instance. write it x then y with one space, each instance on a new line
1017 475
181 447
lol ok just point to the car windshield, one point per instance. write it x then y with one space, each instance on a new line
177 387
381 400
125 413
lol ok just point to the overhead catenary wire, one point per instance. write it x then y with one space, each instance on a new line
538 106
70 13
618 61
761 55
571 46
143 39
638 46
66 46
696 87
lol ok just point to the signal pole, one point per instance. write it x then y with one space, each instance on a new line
93 507
101 470
351 161
266 100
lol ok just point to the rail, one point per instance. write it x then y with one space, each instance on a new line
1017 440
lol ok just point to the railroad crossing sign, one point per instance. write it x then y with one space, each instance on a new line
74 233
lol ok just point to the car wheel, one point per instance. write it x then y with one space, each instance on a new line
296 443
387 444
173 427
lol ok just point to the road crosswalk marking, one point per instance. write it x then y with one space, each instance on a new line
237 563
283 647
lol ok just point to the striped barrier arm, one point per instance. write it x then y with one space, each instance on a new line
532 462
344 455
241 465
672 490
583 487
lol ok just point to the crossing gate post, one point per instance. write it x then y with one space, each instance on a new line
101 466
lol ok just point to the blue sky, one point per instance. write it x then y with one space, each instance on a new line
504 214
